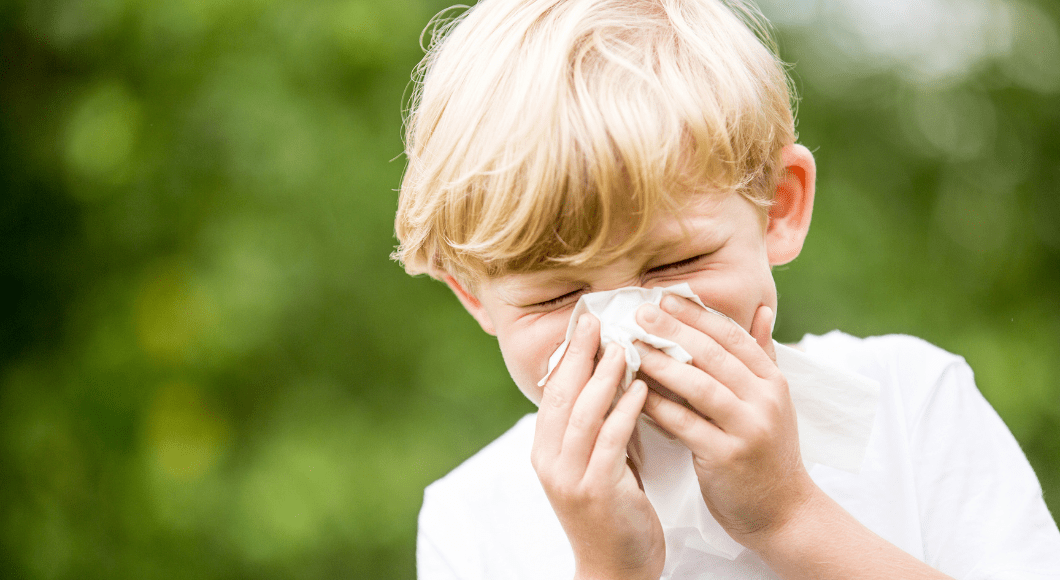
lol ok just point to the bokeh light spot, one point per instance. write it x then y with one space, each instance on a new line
980 219
185 437
1034 61
101 135
172 311
958 125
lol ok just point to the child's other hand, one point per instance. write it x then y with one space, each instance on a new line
742 432
579 454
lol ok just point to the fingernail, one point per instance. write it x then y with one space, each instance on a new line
612 351
670 303
649 313
582 328
642 349
772 317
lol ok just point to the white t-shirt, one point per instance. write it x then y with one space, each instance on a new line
943 479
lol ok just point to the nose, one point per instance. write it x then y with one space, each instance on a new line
617 283
622 274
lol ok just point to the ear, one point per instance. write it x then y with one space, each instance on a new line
789 216
472 304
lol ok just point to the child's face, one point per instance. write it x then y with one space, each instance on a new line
718 244
721 253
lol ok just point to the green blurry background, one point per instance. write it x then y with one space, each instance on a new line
210 368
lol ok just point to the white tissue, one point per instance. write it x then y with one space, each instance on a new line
616 310
834 409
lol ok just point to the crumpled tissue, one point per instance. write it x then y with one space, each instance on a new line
834 408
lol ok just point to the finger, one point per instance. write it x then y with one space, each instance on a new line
608 458
708 354
699 435
724 331
590 409
703 392
762 331
562 388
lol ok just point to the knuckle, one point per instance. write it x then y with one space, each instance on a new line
728 453
608 439
781 383
554 399
593 494
535 462
580 421
708 393
714 355
775 403
731 333
540 465
775 406
685 421
561 487
545 476
771 372
758 431
569 490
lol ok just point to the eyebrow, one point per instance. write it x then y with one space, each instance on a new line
518 292
705 237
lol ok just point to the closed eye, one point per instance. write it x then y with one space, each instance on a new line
676 265
558 300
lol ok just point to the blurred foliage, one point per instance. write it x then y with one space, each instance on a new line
210 368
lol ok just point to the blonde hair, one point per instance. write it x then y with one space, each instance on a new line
544 133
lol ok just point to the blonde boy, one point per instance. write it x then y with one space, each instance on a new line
562 147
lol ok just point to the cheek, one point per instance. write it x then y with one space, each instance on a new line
527 350
738 297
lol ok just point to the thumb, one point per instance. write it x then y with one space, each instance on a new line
762 330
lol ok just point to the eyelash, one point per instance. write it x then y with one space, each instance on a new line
677 264
666 267
559 299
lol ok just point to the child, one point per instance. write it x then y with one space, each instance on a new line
560 148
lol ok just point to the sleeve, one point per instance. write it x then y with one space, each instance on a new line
981 506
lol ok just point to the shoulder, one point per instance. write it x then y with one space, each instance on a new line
893 349
940 449
909 364
480 518
476 503
504 459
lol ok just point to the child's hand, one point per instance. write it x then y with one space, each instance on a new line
580 457
742 432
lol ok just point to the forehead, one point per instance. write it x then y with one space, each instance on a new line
700 224
697 216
